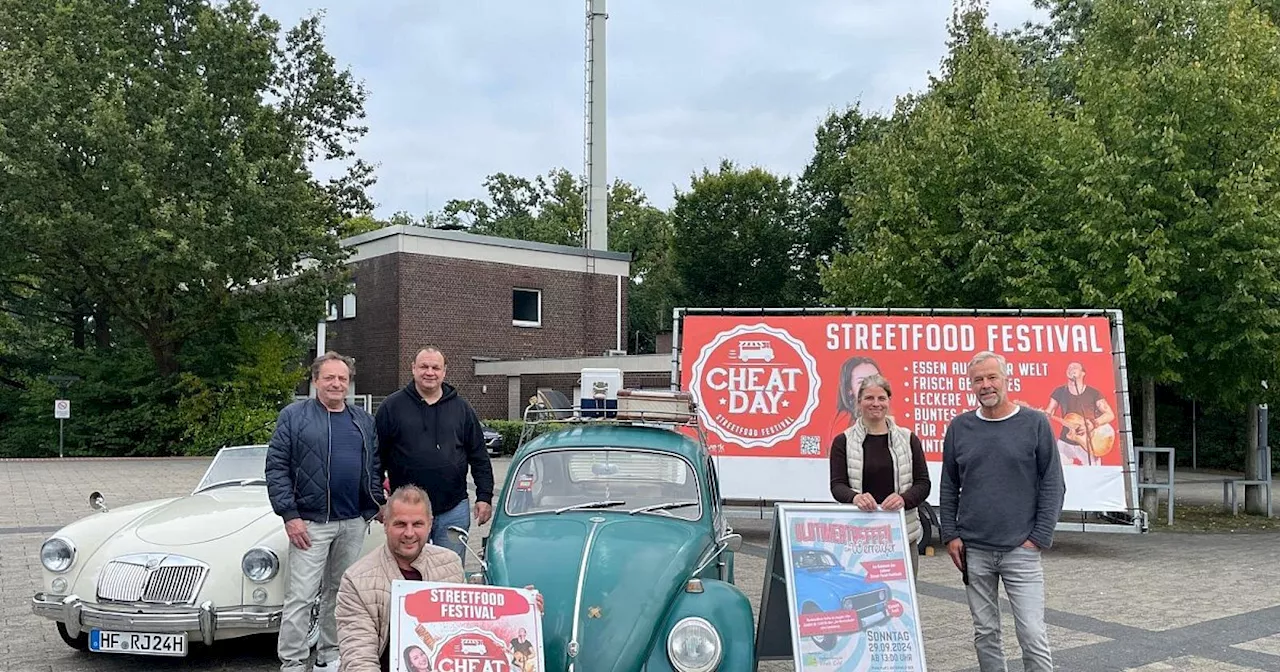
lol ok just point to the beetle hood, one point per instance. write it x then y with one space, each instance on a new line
635 567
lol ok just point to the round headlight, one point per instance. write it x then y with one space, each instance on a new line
57 554
694 646
260 564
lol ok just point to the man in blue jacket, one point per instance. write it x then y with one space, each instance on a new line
428 436
324 480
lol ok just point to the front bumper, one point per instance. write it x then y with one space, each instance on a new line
78 615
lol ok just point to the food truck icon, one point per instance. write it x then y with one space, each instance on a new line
472 646
752 350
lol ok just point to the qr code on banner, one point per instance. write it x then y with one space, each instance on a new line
810 445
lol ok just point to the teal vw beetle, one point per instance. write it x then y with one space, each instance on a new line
619 524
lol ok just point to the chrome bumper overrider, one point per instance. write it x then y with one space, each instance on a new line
78 615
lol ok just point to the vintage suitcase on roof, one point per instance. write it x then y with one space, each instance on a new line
655 405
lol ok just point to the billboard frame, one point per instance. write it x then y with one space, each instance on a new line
1137 518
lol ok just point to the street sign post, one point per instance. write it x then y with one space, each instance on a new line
61 411
62 405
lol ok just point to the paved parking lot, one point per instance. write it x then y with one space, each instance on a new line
1149 603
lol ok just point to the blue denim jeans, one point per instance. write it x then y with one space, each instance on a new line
459 516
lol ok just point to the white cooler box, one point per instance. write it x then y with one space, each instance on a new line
599 392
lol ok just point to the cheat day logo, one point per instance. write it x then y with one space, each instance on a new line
755 385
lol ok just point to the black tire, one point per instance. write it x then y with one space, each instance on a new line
824 642
313 621
79 643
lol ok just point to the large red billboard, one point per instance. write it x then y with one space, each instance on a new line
783 387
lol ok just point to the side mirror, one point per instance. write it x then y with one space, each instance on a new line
97 502
459 536
732 541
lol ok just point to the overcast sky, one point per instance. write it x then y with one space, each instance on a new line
465 88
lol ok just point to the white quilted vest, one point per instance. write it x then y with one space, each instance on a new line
900 451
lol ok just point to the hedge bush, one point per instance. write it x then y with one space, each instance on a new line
511 430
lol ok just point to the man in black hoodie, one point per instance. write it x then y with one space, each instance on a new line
428 436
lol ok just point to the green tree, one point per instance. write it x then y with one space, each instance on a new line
822 211
643 231
549 209
546 209
153 159
961 200
1183 95
735 240
1130 164
239 405
359 224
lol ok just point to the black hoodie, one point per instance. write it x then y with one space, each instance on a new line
431 446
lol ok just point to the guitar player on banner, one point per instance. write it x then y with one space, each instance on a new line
1085 422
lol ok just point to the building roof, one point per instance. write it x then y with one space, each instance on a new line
460 244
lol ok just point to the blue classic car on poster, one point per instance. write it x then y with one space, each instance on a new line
822 584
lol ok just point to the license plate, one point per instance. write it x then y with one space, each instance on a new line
139 643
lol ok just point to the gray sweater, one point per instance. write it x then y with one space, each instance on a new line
1001 481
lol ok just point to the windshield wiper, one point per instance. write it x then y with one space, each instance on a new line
592 505
662 507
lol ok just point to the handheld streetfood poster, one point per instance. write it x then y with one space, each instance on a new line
852 601
453 627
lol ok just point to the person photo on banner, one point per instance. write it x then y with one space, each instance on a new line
852 372
875 464
416 659
1083 417
521 650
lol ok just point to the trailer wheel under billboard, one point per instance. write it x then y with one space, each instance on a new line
773 387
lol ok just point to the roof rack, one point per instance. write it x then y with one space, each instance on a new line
648 408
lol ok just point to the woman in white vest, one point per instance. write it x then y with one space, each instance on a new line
877 464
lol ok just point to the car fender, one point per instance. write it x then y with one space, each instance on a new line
728 610
89 533
818 591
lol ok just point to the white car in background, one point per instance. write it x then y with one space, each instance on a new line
153 577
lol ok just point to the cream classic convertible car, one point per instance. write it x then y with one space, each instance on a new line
152 577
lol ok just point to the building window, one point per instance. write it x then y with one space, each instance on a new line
332 309
349 306
526 307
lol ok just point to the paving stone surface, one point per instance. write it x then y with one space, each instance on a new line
1159 602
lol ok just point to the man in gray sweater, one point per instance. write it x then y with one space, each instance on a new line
1001 493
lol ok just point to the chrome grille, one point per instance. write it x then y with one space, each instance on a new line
154 578
862 602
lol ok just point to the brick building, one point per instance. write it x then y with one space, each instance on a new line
481 300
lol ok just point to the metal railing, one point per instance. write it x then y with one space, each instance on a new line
577 416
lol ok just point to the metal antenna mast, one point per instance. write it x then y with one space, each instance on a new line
595 200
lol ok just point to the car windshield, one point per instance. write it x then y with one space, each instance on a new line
624 480
235 466
813 560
